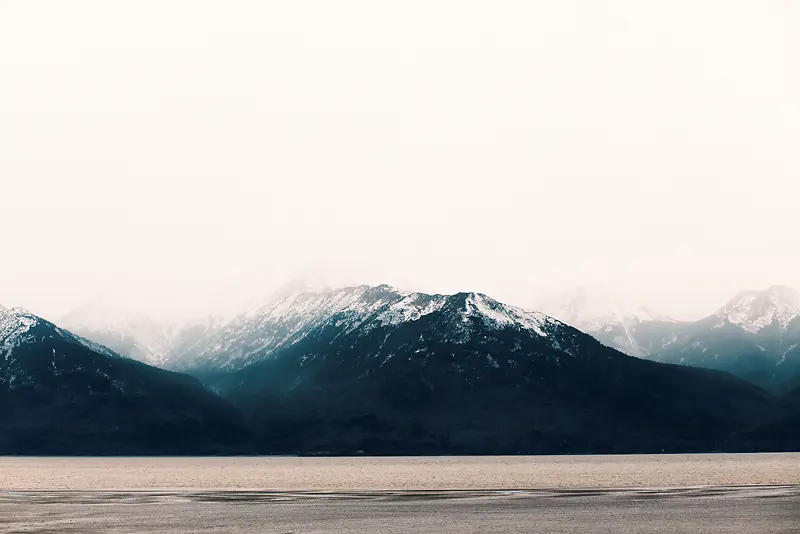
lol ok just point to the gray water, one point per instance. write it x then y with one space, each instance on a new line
667 493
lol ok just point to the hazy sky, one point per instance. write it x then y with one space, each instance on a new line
175 151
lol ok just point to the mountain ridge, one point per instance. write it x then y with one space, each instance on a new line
378 370
285 318
618 322
385 371
61 394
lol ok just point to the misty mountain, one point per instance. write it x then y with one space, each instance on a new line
62 394
158 342
384 371
755 336
130 334
615 319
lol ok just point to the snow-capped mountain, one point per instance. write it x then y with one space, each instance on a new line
385 371
19 327
613 318
292 316
755 336
372 369
140 336
777 307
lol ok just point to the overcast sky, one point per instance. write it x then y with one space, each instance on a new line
179 151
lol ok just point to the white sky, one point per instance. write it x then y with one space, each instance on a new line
178 150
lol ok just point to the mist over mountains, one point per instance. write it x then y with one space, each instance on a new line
608 315
378 370
755 335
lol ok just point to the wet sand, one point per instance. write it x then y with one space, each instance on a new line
759 509
696 493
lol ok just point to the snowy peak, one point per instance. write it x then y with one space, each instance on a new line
286 319
356 311
349 308
307 306
410 307
755 336
15 326
499 315
15 321
387 305
756 310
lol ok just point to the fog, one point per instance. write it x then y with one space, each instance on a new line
183 156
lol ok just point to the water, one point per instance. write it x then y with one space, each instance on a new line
668 493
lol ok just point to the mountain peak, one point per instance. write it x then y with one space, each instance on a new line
14 311
495 314
754 310
355 311
14 325
14 319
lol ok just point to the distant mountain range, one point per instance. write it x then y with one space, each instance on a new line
755 336
612 318
378 370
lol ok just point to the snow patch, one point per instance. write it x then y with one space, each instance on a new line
411 308
755 310
500 315
15 323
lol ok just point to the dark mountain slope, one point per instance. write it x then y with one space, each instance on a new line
782 432
388 372
60 394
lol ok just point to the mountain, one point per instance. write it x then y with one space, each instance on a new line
289 317
131 334
62 394
156 342
755 336
615 319
383 371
